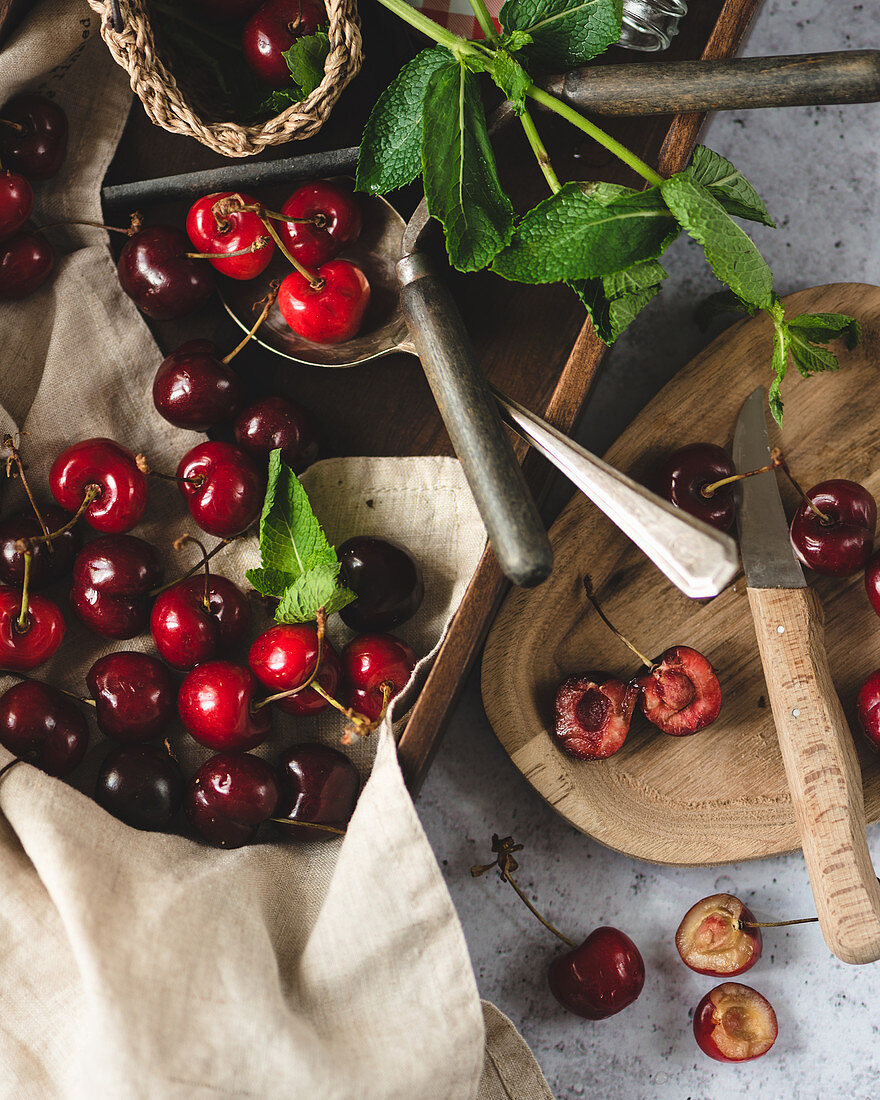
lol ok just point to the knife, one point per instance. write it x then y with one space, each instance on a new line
817 747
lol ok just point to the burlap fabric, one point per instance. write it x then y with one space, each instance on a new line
150 966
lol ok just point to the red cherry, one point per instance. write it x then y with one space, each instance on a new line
215 704
229 797
681 477
213 228
195 389
711 941
600 977
274 423
368 662
868 709
24 647
40 723
272 29
156 273
26 262
331 311
38 146
592 715
386 579
187 632
114 469
112 580
134 696
47 565
141 785
681 694
734 1023
283 657
318 784
222 488
339 215
16 203
840 544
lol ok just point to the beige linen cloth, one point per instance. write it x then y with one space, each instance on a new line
140 965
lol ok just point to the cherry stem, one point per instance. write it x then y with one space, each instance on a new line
305 824
267 303
588 589
254 246
710 490
95 225
783 465
739 925
359 725
314 281
210 554
64 691
17 126
92 493
141 459
23 624
319 220
14 456
178 545
321 622
540 916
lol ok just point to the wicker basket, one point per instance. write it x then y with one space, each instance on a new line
187 110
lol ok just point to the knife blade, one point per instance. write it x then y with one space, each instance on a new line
815 742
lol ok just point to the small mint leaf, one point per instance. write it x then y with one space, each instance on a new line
823 327
305 60
810 358
723 180
564 32
302 600
516 40
511 78
270 582
291 538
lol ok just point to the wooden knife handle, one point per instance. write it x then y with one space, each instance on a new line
822 769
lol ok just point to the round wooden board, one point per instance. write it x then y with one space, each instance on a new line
721 795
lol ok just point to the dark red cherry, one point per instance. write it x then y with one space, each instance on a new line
24 646
318 784
39 723
37 144
681 694
682 476
592 714
26 262
734 1023
216 705
134 696
271 30
156 273
141 785
711 938
368 662
195 389
114 470
189 629
222 488
47 564
16 203
215 228
599 978
112 579
385 578
868 709
229 797
336 210
283 658
330 311
277 423
841 543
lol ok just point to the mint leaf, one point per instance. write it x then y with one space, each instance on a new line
780 365
516 40
511 78
270 582
614 301
306 58
641 276
728 185
822 327
810 358
573 235
318 588
461 180
730 252
715 305
391 145
564 32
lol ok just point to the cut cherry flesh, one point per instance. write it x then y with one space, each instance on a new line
331 311
368 662
340 215
113 468
283 658
386 580
141 785
318 784
600 977
39 723
26 262
37 150
277 423
187 632
134 696
592 714
841 544
215 704
16 203
681 694
112 580
25 647
229 797
222 488
681 477
710 939
734 1023
161 279
272 30
213 228
47 564
195 389
868 708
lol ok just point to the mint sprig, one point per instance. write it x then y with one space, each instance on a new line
564 32
298 566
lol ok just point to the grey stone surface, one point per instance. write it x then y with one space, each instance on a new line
817 168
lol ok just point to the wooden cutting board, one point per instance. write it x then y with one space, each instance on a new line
720 795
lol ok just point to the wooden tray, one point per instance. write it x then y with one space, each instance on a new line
385 408
720 795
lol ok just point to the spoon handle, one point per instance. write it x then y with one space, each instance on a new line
697 558
462 393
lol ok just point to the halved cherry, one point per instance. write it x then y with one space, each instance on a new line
734 1023
680 693
592 714
712 939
